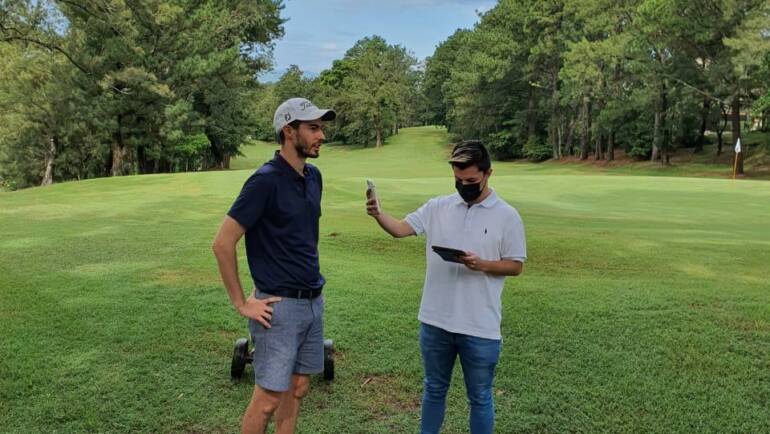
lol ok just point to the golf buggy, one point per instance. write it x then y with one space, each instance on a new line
242 356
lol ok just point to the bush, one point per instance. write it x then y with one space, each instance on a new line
537 151
190 153
760 157
503 146
5 185
639 152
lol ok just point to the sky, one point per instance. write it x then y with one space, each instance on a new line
319 31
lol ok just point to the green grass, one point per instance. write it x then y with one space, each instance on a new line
644 306
684 162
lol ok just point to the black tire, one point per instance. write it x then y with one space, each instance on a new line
328 360
240 353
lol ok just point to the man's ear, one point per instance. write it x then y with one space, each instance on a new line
288 132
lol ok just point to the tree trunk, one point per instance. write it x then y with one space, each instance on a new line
611 146
378 131
666 142
719 142
655 136
599 151
50 155
568 143
703 122
146 165
118 150
617 77
226 161
586 136
736 118
118 156
721 127
531 115
554 130
659 144
216 148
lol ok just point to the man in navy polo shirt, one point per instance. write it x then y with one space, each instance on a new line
278 211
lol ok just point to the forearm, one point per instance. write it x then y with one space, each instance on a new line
503 267
227 262
396 228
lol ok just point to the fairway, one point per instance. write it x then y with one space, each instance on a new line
644 306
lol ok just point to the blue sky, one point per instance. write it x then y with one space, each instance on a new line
318 32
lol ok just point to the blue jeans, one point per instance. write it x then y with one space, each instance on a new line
478 358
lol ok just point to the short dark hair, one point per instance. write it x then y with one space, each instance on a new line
279 137
470 153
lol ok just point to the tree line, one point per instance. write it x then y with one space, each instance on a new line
554 78
113 87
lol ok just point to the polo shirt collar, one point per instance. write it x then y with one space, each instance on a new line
489 202
284 165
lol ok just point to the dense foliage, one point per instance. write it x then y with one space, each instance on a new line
546 79
111 87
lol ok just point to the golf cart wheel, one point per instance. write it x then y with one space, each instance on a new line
240 354
328 360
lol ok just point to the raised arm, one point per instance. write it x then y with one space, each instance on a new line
396 228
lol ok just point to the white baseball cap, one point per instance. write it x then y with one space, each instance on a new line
299 109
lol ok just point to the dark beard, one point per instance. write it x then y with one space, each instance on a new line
300 147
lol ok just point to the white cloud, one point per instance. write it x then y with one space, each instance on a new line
329 47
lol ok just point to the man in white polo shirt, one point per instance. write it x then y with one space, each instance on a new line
460 310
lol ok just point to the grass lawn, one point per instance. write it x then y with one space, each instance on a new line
644 307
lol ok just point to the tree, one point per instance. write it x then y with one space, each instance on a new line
750 57
152 76
371 84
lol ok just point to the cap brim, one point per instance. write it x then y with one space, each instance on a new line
322 114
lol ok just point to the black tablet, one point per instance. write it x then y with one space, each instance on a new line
448 254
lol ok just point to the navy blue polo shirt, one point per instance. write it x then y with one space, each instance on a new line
280 210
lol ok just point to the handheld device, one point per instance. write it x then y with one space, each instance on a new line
448 254
371 192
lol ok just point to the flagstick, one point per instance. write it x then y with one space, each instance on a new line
736 151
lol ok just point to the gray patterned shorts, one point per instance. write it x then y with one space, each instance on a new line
293 345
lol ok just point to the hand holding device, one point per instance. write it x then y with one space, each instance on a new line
372 202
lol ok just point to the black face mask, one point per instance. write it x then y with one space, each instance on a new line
469 192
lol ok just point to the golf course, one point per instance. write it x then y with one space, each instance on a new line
644 305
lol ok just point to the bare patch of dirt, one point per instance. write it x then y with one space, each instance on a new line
386 395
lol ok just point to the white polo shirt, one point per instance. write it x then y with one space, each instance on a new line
454 297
